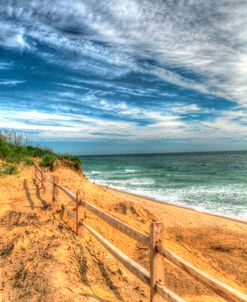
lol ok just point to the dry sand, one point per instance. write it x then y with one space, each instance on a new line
41 259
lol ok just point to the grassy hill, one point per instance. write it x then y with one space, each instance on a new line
14 150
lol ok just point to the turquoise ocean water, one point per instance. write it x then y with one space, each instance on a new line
214 182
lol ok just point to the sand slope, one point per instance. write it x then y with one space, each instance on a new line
41 259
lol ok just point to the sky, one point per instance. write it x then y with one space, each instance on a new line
126 76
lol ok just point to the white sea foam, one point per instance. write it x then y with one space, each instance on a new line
238 211
220 188
94 172
132 182
196 198
130 170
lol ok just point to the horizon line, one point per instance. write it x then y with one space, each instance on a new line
160 153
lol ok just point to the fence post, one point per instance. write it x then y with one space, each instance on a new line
42 178
55 189
80 212
35 168
156 260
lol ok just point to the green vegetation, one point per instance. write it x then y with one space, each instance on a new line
47 160
28 161
8 169
15 149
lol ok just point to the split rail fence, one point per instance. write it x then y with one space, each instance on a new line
155 278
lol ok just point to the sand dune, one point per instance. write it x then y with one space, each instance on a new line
41 259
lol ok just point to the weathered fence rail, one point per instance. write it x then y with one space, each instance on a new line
154 278
118 224
131 265
70 212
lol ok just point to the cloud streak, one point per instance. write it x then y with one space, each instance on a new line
126 69
10 83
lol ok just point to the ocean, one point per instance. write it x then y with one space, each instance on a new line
214 182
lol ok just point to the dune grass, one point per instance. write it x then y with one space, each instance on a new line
14 151
8 169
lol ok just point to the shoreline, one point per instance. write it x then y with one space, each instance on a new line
203 239
152 199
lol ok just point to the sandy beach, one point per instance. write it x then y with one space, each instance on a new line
214 244
136 113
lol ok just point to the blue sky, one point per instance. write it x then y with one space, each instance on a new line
98 77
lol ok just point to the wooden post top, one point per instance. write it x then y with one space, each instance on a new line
79 195
156 260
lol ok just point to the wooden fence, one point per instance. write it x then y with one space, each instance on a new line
155 278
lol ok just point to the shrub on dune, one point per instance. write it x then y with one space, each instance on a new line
16 148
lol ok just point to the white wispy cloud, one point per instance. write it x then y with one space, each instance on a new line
163 125
10 82
208 38
195 45
5 66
